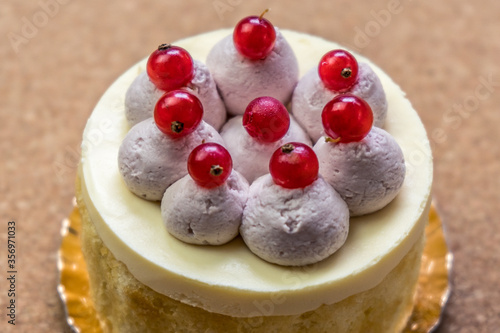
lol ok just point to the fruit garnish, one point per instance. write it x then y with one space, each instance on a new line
338 69
170 67
266 119
177 113
209 164
294 165
254 37
347 118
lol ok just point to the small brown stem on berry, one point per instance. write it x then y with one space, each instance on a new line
328 139
194 88
287 148
216 170
177 126
164 46
263 13
346 72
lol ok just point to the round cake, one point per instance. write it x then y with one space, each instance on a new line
143 279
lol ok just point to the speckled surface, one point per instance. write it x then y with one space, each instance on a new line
65 53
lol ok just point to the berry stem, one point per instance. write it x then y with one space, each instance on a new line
287 148
177 126
164 46
263 13
216 170
328 139
346 72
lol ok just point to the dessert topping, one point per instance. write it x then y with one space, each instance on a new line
254 37
170 67
209 165
266 119
294 165
177 113
338 69
347 118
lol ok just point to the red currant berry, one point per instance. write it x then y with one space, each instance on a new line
178 113
347 118
266 119
338 69
294 165
254 37
210 165
170 67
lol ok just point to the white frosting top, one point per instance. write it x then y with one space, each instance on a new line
151 161
251 157
240 80
199 215
368 174
294 227
311 96
142 95
229 279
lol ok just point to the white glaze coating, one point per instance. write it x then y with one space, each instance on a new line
142 95
230 279
250 157
240 80
294 227
311 96
367 174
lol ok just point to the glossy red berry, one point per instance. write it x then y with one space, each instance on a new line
170 67
178 113
266 119
347 118
338 69
254 37
294 165
210 165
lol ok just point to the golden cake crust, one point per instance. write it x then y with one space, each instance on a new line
120 297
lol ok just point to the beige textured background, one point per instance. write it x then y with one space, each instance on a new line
442 53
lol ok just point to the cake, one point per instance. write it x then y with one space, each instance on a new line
143 279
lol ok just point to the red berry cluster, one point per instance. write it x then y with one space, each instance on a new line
177 113
346 118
